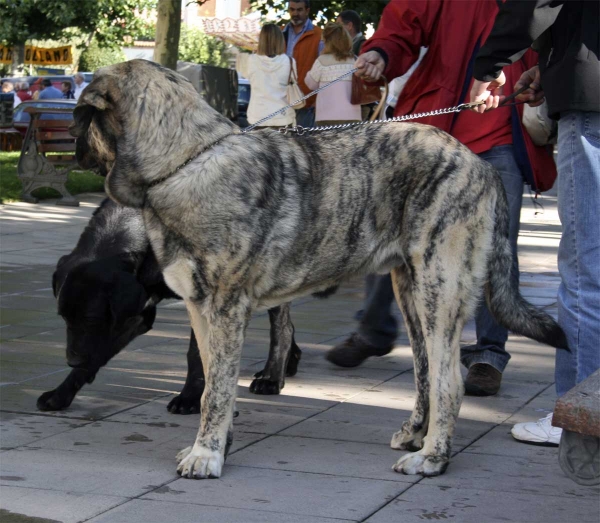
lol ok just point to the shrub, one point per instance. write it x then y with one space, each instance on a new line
94 57
197 47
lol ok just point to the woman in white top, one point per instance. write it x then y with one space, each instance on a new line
333 104
268 72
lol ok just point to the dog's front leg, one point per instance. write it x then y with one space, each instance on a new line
220 338
284 354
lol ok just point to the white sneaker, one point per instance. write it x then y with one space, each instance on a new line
540 432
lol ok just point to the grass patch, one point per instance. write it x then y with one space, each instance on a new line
10 185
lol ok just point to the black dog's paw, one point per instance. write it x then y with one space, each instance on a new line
53 400
264 387
184 404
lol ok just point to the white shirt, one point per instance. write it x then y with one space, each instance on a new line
268 82
78 89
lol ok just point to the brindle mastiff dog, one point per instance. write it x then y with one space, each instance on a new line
241 221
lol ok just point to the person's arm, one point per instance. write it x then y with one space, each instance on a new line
517 25
404 28
313 76
241 64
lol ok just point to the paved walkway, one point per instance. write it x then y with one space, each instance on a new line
319 452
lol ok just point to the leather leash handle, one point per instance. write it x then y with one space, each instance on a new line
381 103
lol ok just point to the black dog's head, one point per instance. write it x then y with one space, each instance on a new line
104 308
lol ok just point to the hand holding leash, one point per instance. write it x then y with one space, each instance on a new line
369 66
490 93
530 88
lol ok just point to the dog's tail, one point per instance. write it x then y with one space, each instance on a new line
502 290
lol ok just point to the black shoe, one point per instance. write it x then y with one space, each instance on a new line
482 380
353 351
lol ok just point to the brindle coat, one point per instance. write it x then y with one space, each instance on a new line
258 219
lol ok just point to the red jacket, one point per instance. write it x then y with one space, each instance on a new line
453 30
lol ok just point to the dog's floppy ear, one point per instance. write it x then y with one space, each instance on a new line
82 118
128 298
98 93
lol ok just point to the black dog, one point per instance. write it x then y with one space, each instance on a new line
107 291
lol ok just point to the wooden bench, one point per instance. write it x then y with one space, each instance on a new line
39 164
578 414
10 138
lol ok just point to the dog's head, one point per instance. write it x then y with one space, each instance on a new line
137 121
104 308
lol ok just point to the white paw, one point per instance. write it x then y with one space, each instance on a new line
419 463
402 440
199 462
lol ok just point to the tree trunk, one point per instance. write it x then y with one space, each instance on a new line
18 60
168 29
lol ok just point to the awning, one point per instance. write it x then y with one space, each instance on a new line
242 32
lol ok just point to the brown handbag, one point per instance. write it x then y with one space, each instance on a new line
365 93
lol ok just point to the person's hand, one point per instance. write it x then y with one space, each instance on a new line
533 96
488 92
370 66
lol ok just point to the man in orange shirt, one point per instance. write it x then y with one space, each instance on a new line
304 44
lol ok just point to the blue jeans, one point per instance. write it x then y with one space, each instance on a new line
376 325
579 250
491 336
305 117
379 328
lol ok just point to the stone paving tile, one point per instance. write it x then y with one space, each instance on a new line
425 502
41 301
158 440
149 511
88 405
540 475
257 414
85 473
298 493
15 372
499 442
338 458
22 505
371 424
21 429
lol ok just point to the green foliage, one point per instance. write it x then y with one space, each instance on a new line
110 21
94 57
324 11
10 185
197 47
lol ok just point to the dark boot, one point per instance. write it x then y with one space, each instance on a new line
353 351
482 380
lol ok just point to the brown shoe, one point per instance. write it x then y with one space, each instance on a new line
353 351
482 380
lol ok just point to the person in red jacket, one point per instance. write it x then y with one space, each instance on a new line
453 30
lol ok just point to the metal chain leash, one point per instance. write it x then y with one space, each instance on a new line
298 129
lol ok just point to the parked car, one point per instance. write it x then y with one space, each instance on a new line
21 118
243 101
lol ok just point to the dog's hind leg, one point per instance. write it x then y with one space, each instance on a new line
410 436
220 337
445 287
188 400
284 354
